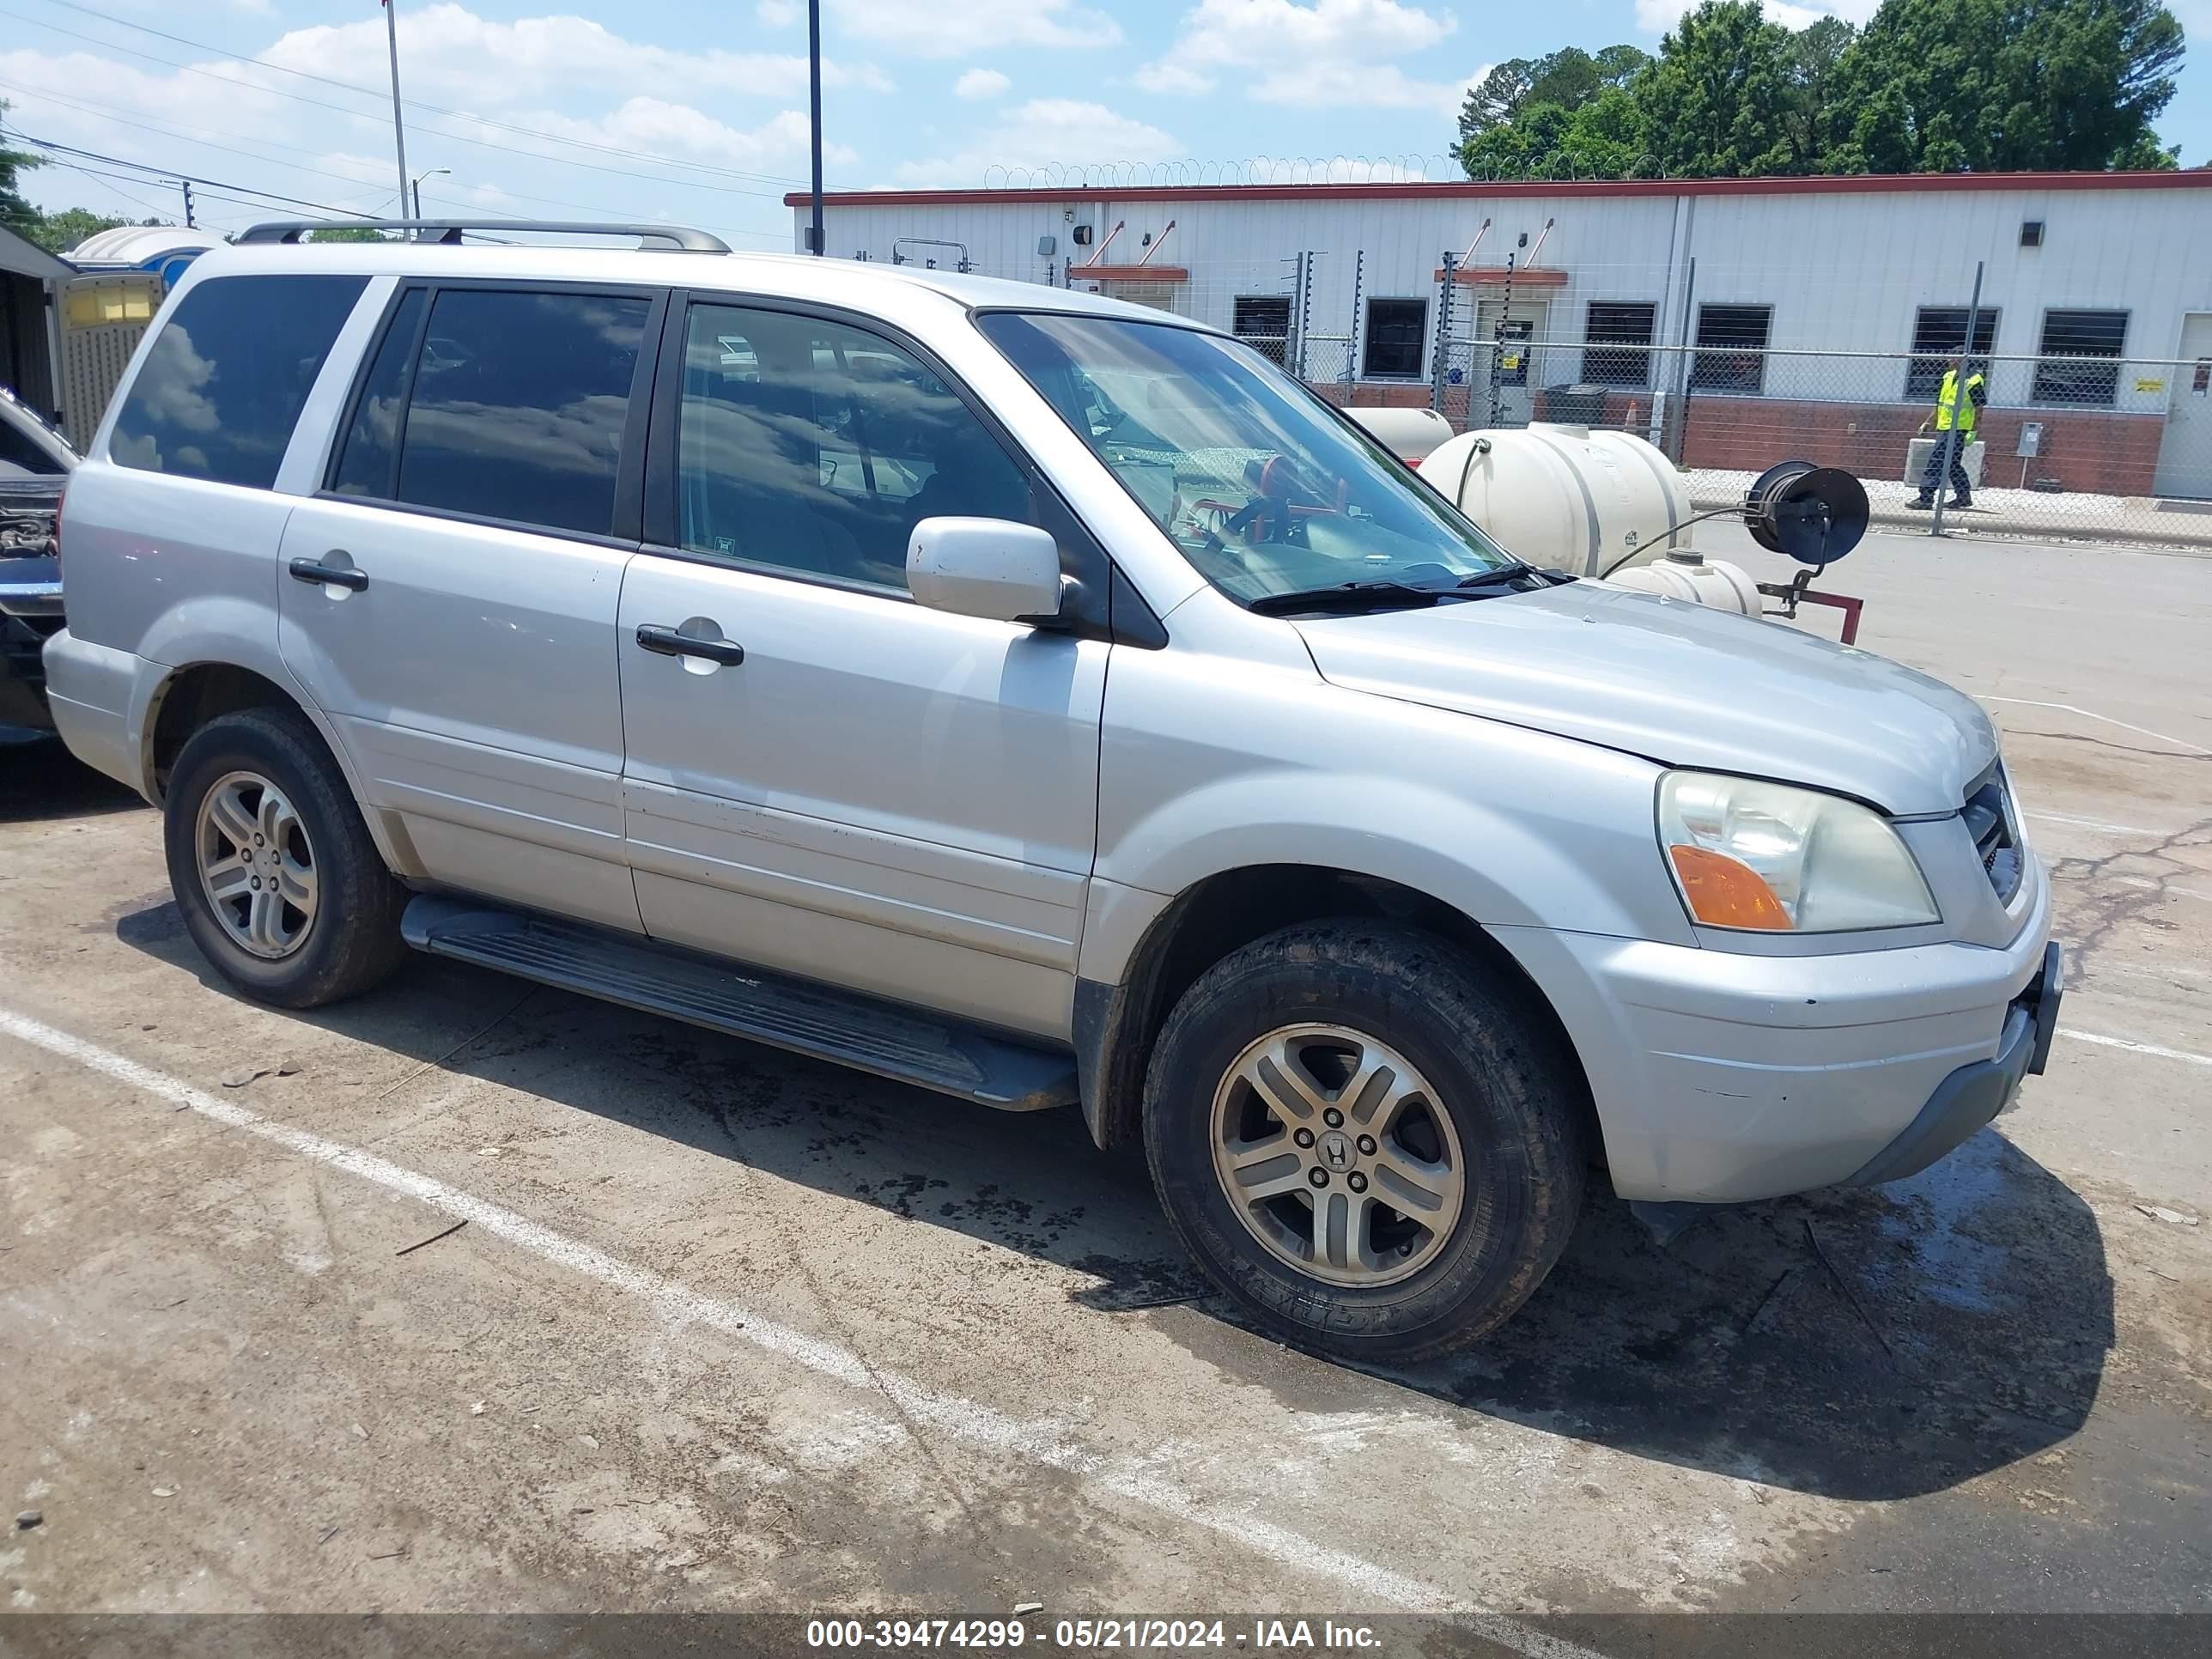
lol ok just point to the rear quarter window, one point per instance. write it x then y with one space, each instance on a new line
228 375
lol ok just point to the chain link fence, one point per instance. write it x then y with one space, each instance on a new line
2066 447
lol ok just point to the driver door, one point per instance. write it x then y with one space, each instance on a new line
874 794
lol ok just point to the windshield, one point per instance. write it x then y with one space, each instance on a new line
1262 487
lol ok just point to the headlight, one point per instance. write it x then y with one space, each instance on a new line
1763 855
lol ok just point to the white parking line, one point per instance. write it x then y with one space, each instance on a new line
1037 1441
2070 819
2152 1048
2092 715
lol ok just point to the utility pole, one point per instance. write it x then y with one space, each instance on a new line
1949 442
191 223
814 238
399 129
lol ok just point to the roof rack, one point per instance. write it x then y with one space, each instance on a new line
450 231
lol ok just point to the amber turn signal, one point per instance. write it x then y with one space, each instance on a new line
1723 892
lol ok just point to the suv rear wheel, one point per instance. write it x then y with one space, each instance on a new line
1372 1144
279 883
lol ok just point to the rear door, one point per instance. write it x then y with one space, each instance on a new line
852 787
449 597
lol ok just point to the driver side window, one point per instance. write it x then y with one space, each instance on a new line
812 447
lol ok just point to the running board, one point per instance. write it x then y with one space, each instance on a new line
865 1033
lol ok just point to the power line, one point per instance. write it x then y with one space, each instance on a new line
211 188
171 175
371 92
188 131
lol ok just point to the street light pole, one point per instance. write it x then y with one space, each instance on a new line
814 241
416 185
399 130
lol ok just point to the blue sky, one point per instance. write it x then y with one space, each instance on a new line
694 110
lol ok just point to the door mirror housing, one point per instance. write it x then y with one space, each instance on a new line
993 568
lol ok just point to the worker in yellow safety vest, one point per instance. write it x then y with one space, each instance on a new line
1966 406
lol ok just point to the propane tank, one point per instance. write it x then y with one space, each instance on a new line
1412 434
1566 496
1683 575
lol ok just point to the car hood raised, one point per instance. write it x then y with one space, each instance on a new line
1678 684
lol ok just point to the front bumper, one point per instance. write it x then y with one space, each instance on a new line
1979 1090
30 611
1722 1077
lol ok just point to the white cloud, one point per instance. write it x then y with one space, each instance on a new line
1045 130
981 83
564 77
970 26
778 14
661 128
1173 78
1338 52
449 55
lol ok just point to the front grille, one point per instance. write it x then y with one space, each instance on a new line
1989 819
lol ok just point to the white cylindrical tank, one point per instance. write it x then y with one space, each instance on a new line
1700 581
1412 434
1566 497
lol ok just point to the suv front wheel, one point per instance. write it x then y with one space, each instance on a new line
1370 1144
279 883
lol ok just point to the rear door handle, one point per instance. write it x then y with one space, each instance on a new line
667 642
307 570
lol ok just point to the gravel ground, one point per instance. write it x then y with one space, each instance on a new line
728 1330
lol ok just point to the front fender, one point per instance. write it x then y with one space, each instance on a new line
1509 827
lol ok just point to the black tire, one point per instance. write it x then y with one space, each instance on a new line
352 942
1513 1094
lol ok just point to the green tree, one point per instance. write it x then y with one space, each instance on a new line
18 215
346 234
1940 86
1566 79
1601 139
1717 103
59 232
1929 86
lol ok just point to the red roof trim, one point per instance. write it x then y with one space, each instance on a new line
1870 184
1129 274
1496 277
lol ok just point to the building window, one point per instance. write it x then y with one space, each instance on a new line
2031 233
1264 319
1396 331
1616 326
1731 348
1939 334
2081 365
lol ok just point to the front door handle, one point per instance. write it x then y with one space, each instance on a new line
308 570
668 642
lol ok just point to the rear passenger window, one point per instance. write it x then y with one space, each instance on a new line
518 407
228 375
811 446
371 445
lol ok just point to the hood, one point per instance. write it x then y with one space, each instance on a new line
1678 684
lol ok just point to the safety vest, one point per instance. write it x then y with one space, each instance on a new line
1948 395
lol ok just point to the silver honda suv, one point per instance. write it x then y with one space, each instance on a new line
1045 702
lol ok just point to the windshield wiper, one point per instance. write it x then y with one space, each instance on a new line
1347 596
1501 574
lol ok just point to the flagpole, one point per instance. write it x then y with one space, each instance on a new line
398 132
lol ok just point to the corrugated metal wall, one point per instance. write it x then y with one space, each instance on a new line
1841 272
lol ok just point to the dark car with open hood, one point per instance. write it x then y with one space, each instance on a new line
35 464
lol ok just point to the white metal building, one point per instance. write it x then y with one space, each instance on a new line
1839 296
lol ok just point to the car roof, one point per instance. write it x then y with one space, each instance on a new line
894 293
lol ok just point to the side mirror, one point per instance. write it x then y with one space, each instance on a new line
993 568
